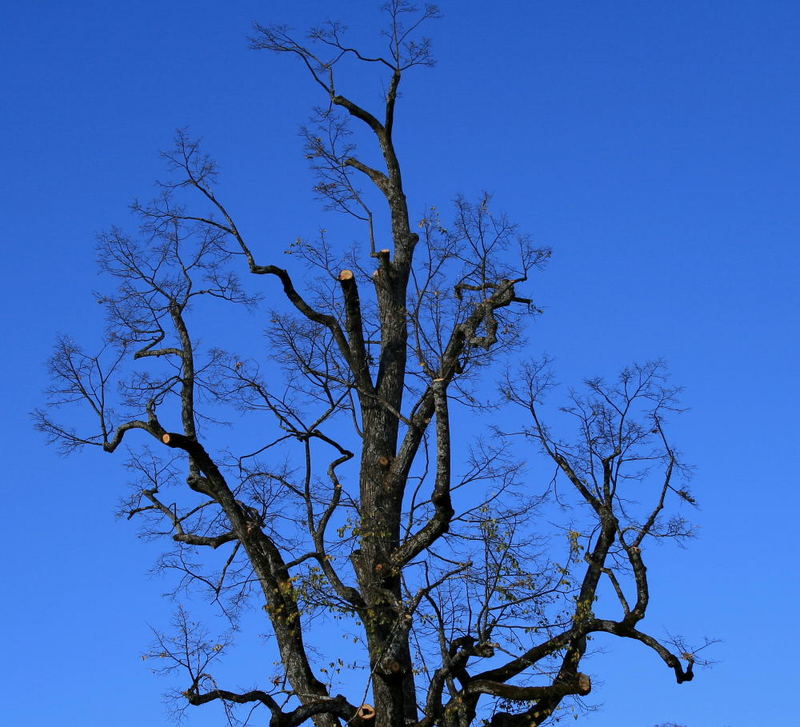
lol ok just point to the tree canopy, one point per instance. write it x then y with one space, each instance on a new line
367 470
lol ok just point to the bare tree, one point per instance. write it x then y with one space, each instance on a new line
352 505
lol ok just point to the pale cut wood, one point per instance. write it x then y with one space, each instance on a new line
366 711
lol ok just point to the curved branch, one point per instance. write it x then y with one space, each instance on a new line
619 628
533 655
346 592
440 521
123 429
254 695
338 705
301 305
462 336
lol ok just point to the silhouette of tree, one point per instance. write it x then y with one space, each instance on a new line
355 504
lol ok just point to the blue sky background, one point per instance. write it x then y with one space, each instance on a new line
653 145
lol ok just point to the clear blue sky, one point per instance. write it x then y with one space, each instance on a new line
655 146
